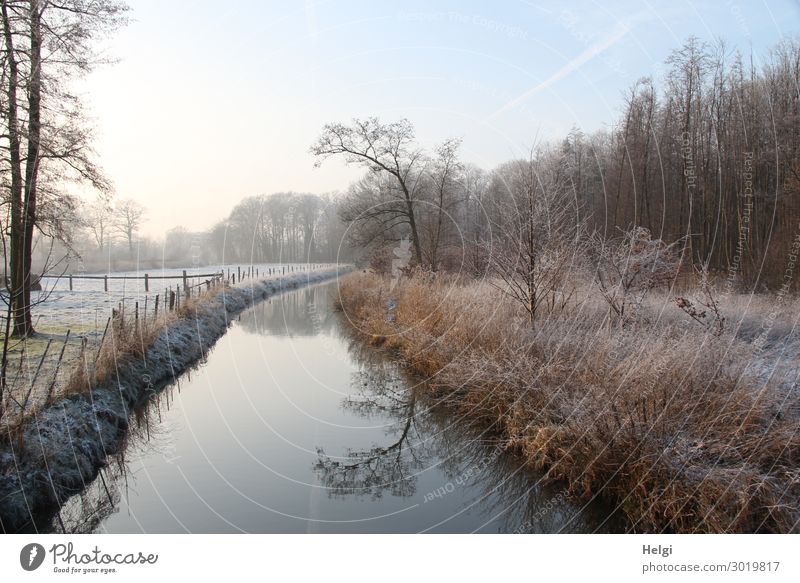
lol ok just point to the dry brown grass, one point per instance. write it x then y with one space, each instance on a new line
676 426
128 337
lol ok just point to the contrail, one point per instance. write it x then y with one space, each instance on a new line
587 55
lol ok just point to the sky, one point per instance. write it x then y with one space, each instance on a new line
211 102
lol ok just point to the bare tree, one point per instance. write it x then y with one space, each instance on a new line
444 185
178 243
383 149
630 267
129 217
474 220
307 211
537 232
374 211
99 221
44 45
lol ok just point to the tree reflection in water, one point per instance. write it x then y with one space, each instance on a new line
425 433
304 312
381 391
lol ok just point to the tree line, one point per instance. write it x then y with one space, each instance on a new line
713 157
711 160
280 227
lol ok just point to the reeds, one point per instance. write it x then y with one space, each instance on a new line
681 428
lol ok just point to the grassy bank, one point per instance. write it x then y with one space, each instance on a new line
60 361
683 429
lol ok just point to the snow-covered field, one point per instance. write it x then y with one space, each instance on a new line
86 308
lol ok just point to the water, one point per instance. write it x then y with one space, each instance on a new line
293 426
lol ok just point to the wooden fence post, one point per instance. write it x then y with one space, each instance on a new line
105 282
185 282
58 365
70 282
147 282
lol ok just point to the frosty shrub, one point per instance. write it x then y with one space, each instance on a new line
631 266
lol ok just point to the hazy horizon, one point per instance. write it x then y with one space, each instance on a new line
169 115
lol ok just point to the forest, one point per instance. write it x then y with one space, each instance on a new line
710 159
615 308
708 156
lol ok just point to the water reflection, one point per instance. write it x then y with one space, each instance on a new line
147 433
299 313
378 391
424 434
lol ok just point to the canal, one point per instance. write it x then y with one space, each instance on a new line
293 425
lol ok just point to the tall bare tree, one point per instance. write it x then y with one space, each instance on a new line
45 44
537 234
383 149
443 195
129 218
99 221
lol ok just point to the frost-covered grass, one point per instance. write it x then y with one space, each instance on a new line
56 451
682 429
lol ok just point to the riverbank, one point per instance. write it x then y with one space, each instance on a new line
680 429
60 448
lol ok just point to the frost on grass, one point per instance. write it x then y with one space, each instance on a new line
60 449
683 427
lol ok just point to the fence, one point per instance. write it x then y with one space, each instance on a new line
146 277
238 276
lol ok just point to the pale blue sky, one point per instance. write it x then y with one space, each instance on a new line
214 101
